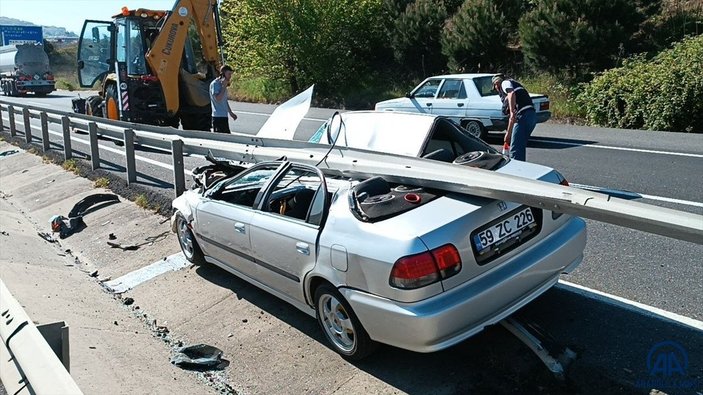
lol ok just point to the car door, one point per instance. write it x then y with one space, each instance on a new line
224 218
95 53
451 99
422 99
285 231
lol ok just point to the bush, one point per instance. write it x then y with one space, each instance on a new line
665 93
480 35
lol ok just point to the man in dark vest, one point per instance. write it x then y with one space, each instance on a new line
517 104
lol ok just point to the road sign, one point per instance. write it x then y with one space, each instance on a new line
15 34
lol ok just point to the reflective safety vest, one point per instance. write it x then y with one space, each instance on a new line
523 101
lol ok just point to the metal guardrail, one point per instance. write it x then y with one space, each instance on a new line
27 362
364 163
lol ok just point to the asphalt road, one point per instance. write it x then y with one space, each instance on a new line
657 168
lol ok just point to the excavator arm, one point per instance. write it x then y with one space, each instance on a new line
166 53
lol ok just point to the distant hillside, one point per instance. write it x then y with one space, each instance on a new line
49 31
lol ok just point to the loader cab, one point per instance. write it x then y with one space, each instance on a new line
114 53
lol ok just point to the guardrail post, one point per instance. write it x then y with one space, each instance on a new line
11 115
2 127
66 126
27 125
129 155
179 179
44 131
94 149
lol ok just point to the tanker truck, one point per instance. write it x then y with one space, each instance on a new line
25 68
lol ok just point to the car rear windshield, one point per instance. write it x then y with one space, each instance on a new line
484 86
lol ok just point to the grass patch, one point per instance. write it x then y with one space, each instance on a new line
71 165
259 90
46 159
142 201
102 182
562 96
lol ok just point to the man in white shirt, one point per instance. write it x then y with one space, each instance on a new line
522 116
219 102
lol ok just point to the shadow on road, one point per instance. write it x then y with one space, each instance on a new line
613 346
544 142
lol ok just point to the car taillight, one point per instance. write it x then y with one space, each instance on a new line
448 260
418 270
544 106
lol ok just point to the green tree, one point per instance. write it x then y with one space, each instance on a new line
482 35
416 38
301 42
577 35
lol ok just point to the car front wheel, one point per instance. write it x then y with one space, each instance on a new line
340 325
475 128
186 239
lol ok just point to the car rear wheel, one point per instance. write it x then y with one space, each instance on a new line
187 241
340 325
475 128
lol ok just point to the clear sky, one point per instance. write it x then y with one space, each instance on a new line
72 13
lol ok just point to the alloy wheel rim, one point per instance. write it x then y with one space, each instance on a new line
185 238
337 323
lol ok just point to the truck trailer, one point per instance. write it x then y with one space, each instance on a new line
25 68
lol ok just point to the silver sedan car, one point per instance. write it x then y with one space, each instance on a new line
377 262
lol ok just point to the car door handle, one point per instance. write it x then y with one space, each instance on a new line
239 228
429 104
460 104
302 248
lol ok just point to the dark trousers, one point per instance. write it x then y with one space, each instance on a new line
220 124
522 129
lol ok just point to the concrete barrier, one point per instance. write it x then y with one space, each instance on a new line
27 362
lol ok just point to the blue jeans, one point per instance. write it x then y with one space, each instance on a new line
522 129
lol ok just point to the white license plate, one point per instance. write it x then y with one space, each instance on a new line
504 229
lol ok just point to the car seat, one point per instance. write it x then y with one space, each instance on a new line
300 203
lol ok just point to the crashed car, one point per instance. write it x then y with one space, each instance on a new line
378 262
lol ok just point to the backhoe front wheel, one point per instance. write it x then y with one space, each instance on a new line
112 109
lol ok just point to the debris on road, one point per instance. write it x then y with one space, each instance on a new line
112 236
127 301
199 357
9 152
128 247
74 223
46 237
94 273
4 233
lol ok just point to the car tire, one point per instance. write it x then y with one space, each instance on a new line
186 239
340 325
475 128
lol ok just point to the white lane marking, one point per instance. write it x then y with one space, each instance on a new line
132 279
637 195
630 305
647 151
117 151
